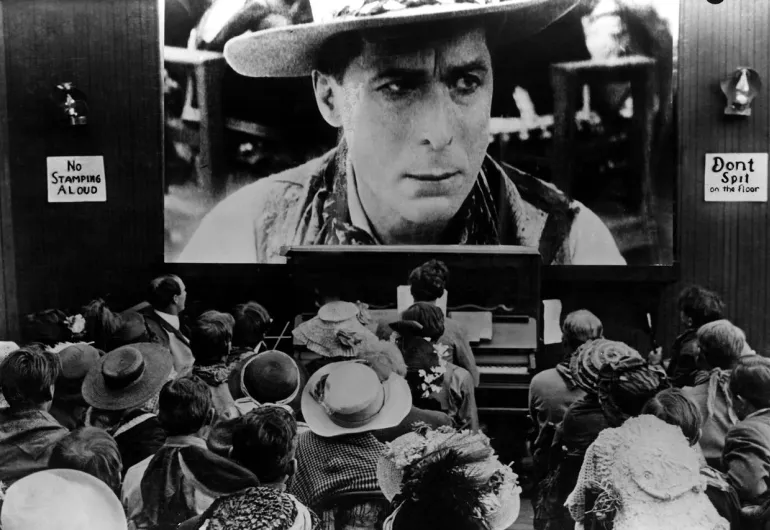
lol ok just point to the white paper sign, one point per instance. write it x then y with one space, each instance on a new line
736 177
76 179
551 321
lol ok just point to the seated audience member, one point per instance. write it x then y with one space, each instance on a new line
721 345
251 323
697 306
27 431
183 478
61 499
48 327
746 455
267 377
582 423
122 390
264 442
101 324
69 408
92 451
673 407
643 474
167 299
342 404
210 340
553 390
444 478
335 333
427 283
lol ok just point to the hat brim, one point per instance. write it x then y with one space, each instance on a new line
398 403
158 365
289 51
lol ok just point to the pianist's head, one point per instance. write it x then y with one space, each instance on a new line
579 327
428 281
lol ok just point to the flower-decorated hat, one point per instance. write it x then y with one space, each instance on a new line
336 331
348 397
462 461
591 357
289 51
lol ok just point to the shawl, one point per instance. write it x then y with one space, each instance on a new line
213 375
718 380
175 472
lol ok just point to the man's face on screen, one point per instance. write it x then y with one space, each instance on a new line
415 116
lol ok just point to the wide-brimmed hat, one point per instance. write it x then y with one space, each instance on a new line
336 331
127 376
267 377
76 361
347 397
289 51
61 499
415 452
591 357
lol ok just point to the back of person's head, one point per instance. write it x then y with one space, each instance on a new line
163 289
211 337
47 327
428 281
626 386
673 407
264 442
101 323
700 305
721 343
251 324
92 451
750 380
429 316
28 375
384 357
132 329
184 406
581 326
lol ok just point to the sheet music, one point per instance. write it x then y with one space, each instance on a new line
478 324
551 321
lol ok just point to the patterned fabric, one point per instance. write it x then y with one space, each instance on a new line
214 375
328 466
259 508
625 387
591 357
566 374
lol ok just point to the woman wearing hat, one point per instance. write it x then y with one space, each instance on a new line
343 403
122 389
444 478
68 407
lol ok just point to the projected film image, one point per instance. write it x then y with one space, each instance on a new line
552 128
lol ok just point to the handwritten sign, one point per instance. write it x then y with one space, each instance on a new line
736 177
76 179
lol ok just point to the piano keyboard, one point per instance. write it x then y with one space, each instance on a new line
503 370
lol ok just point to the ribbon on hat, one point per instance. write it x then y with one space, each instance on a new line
367 8
284 401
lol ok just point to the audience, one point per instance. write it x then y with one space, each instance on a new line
183 478
122 389
211 340
27 431
251 323
167 298
721 344
697 306
48 327
68 407
92 451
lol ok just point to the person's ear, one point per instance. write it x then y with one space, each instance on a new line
327 98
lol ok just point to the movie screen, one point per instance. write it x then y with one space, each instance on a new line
472 131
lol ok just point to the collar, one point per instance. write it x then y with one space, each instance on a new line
186 440
173 320
358 217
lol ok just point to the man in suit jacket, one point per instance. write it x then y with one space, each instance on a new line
167 300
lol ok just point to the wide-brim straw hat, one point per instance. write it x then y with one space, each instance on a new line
290 51
127 377
61 499
353 400
335 331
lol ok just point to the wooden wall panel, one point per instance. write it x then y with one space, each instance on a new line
67 253
723 246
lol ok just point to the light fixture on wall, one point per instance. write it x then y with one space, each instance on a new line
740 88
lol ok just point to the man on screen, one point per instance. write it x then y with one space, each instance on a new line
409 85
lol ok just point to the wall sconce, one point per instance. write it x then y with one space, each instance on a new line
740 88
72 105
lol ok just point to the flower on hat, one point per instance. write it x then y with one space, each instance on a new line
76 324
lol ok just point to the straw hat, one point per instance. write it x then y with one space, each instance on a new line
335 331
61 499
289 51
347 397
127 376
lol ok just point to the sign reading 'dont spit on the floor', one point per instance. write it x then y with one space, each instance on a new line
76 179
736 177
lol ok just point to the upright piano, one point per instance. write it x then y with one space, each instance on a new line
501 280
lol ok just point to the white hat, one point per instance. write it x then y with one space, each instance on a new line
348 397
289 51
61 499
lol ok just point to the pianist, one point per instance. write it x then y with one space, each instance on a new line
409 86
